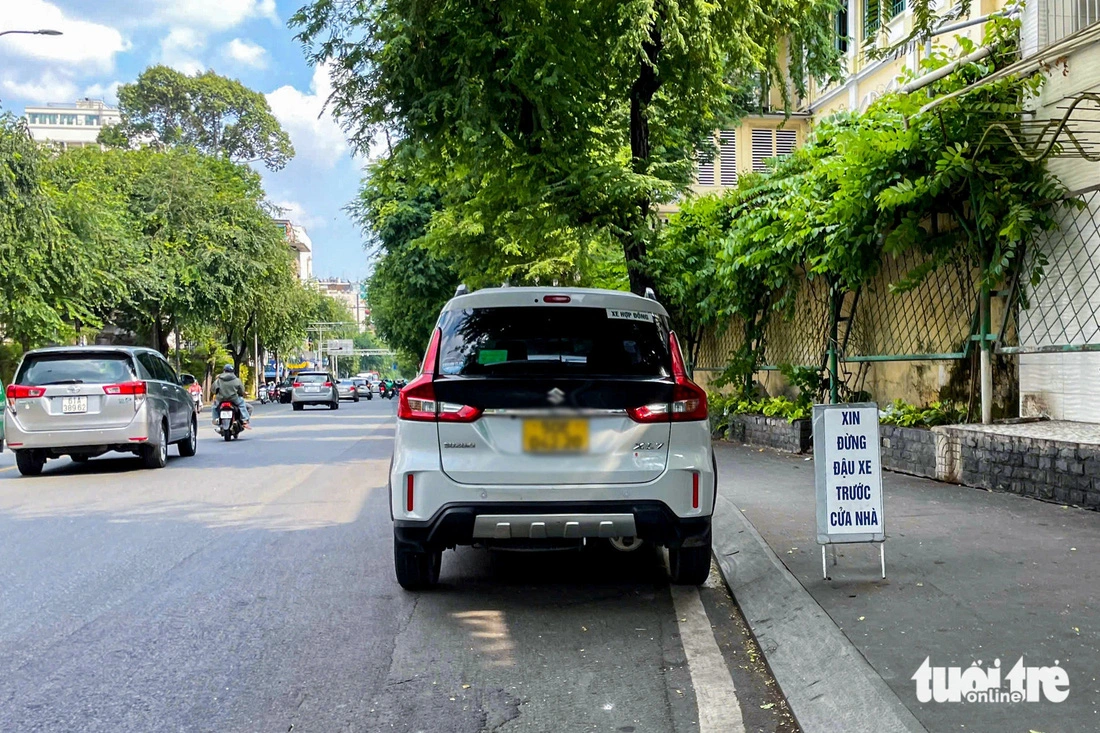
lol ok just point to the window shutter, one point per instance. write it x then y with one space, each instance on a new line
704 168
762 148
728 148
785 142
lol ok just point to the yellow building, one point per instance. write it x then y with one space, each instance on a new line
859 29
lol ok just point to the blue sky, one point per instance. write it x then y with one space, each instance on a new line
108 42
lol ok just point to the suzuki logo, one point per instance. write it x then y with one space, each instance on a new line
555 396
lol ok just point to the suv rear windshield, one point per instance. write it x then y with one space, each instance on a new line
311 378
553 340
42 369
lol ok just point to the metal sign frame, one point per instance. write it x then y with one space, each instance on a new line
824 537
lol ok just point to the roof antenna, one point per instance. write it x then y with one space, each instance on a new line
650 294
461 290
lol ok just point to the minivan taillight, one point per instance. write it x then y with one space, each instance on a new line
689 400
22 392
416 400
296 385
131 388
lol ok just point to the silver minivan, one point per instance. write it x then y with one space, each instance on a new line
314 388
83 401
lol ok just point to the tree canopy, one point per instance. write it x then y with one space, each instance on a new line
548 129
208 112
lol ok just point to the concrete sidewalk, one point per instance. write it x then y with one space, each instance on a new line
971 575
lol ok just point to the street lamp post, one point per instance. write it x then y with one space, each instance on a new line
40 32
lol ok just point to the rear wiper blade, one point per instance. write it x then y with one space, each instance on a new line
62 381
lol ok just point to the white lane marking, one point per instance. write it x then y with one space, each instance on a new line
715 695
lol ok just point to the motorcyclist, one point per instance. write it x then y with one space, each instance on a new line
228 388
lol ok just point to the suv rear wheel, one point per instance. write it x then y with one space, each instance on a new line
416 570
30 462
155 454
689 565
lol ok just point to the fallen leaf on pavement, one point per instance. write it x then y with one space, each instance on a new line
465 687
767 706
861 618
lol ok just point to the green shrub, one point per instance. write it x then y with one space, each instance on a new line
905 415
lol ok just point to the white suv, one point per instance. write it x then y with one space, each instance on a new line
546 416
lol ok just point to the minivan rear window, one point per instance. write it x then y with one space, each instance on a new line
39 370
311 378
553 340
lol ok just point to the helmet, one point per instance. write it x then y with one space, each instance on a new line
228 368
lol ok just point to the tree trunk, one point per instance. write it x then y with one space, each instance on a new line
641 96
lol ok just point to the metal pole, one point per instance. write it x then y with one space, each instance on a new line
824 565
882 557
986 359
833 386
256 362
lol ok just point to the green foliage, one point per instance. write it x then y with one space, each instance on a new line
811 383
207 112
905 415
884 183
682 267
783 407
410 283
550 130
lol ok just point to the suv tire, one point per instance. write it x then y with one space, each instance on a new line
30 462
335 405
155 454
416 570
298 406
689 565
189 445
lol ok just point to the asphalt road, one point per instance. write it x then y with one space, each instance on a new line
250 588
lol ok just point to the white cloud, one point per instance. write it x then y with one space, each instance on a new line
49 87
178 50
213 14
83 43
246 53
107 92
315 134
297 213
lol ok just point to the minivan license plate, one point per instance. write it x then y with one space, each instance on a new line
555 436
74 404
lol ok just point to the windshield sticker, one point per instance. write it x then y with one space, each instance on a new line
452 367
570 359
631 315
492 356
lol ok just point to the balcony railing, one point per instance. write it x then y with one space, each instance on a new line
1061 18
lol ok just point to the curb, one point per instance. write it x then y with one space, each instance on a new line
828 684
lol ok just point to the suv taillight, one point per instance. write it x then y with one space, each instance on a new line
132 388
416 400
296 384
689 400
22 392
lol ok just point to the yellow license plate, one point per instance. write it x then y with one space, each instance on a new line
555 436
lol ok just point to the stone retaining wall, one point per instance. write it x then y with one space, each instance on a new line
908 450
773 432
1047 460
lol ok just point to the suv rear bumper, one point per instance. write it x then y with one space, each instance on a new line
129 437
465 524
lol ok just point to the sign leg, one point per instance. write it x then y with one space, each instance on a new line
824 567
882 557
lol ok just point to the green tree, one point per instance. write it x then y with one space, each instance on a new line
682 265
48 283
551 128
208 112
410 283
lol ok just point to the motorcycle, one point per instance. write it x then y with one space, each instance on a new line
264 399
229 424
387 391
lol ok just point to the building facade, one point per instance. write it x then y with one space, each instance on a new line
302 246
74 125
350 293
1059 334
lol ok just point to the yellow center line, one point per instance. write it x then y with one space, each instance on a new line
7 468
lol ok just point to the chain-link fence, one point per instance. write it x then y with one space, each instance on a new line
932 321
1062 312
